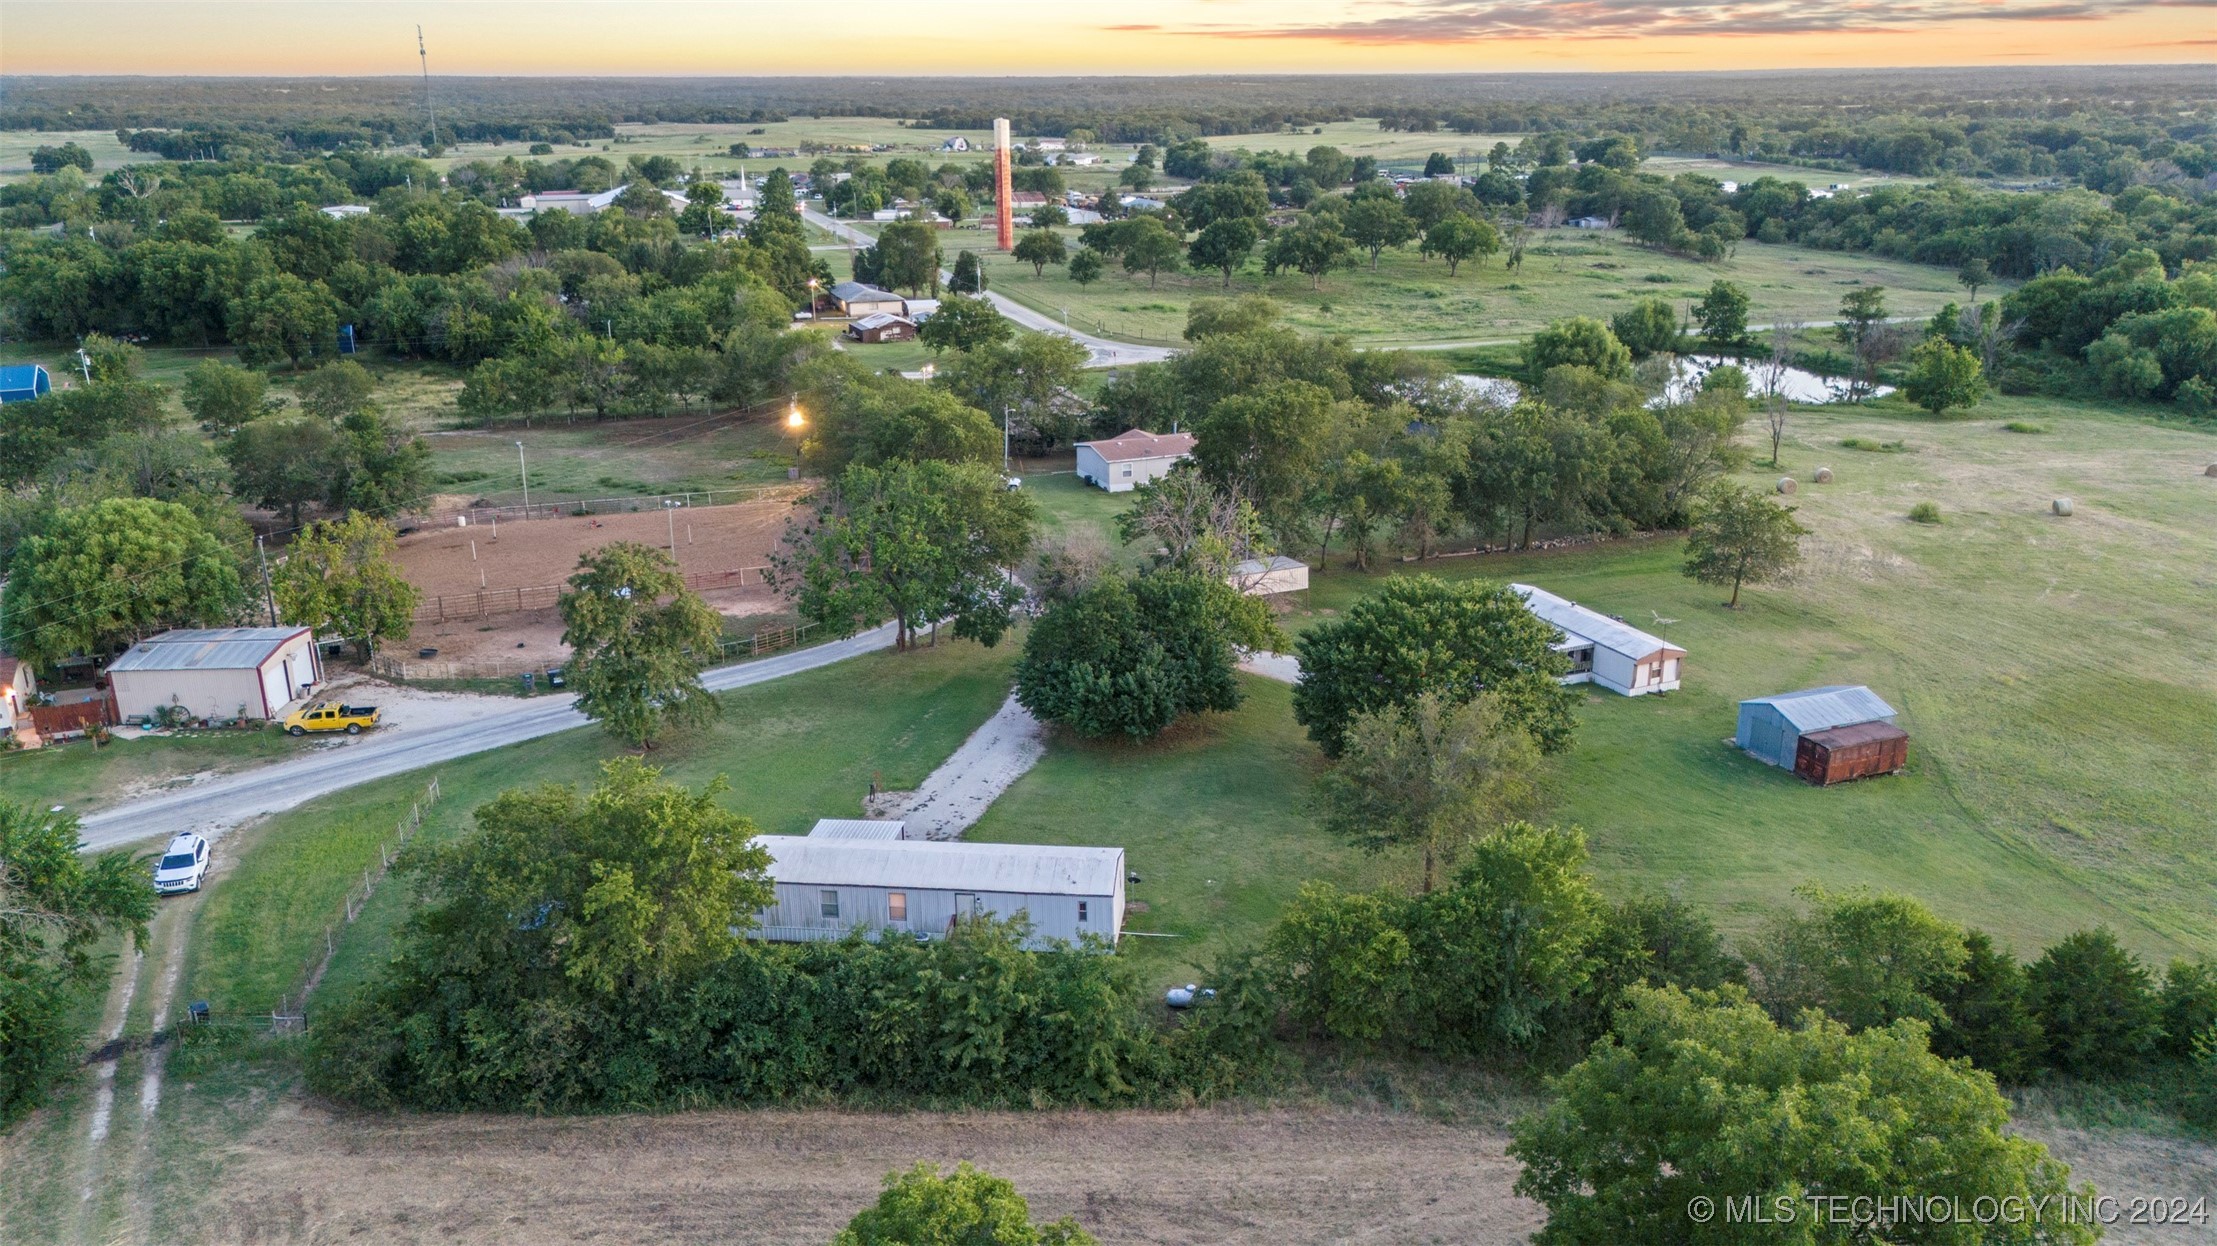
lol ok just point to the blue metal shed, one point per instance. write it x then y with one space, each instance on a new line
21 382
1771 727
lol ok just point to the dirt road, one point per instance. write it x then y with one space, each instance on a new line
1217 1176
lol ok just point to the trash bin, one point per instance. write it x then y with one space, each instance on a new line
530 682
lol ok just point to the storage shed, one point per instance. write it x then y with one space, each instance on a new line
1858 752
216 672
828 886
1263 577
882 327
21 382
1605 650
1772 728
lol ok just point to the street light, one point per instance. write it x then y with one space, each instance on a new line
669 509
524 471
795 422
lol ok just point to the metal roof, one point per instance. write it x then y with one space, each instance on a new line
207 649
944 865
1276 562
1834 705
1138 443
876 320
857 828
1579 623
856 291
1854 734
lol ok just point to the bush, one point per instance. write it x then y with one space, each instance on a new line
2097 1003
2024 426
964 1208
1872 445
1925 512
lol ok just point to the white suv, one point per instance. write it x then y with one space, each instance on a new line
182 866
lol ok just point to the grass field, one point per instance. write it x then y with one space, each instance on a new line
16 147
82 778
1410 300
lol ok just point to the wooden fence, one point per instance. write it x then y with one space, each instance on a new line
486 602
569 508
291 1013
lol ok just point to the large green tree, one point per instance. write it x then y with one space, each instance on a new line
964 1208
1224 245
1375 223
1700 1111
1431 775
909 543
104 575
1722 315
1864 959
1313 245
283 462
224 396
2097 1004
1268 445
964 322
340 578
1039 248
1741 537
1580 341
1459 238
1420 634
1130 656
1943 376
639 638
1151 248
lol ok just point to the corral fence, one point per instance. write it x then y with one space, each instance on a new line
762 641
290 1015
486 602
572 508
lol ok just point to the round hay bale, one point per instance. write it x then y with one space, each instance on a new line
2210 470
1824 475
1786 484
2061 506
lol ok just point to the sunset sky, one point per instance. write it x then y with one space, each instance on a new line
773 37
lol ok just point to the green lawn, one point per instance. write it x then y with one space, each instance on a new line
1410 300
82 778
793 751
611 458
107 154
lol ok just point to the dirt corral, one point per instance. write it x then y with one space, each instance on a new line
489 590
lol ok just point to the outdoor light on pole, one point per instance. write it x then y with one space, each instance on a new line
524 470
669 511
1005 418
795 422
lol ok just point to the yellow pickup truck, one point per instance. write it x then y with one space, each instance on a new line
329 716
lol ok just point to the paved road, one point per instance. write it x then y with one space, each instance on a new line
1101 352
220 804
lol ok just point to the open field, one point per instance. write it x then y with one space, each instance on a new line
82 778
609 458
16 147
1411 301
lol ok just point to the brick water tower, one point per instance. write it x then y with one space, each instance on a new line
1004 212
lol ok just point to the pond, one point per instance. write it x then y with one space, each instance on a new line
1796 384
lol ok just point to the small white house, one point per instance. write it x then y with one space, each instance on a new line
216 672
1265 577
1606 651
828 885
1131 458
1588 222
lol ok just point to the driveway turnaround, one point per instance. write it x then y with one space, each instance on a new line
220 804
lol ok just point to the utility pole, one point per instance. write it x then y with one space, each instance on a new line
523 470
429 115
269 598
669 511
1006 416
84 364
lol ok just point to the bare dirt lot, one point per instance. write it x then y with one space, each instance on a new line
1209 1176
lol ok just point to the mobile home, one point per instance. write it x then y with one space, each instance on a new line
828 885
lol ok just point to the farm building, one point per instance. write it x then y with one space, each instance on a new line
882 327
1826 735
1606 651
216 672
853 298
1588 222
957 143
580 202
828 885
1131 458
1264 577
21 382
857 828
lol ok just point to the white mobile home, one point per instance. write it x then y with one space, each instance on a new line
1606 651
828 886
1264 577
1131 458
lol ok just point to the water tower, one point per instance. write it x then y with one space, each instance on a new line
1004 213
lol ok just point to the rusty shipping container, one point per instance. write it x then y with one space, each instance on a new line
1857 751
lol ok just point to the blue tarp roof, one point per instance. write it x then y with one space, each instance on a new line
1834 705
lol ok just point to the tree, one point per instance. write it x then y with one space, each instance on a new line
1863 959
1579 341
1086 266
639 638
1039 248
104 575
964 1208
911 543
1313 245
1149 248
382 468
335 391
969 274
1862 313
57 906
964 323
1722 315
1027 382
1649 328
224 396
1197 525
908 254
1438 164
1656 219
1988 1013
1377 222
1699 1100
1511 944
281 316
1973 274
1267 445
2097 1004
1460 238
1130 656
46 159
1430 776
1420 634
1224 245
1943 375
339 578
283 462
1741 537
1209 317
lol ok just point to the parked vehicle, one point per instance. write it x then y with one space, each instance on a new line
330 716
184 863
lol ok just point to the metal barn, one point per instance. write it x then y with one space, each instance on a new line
828 885
1771 728
216 672
1858 752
